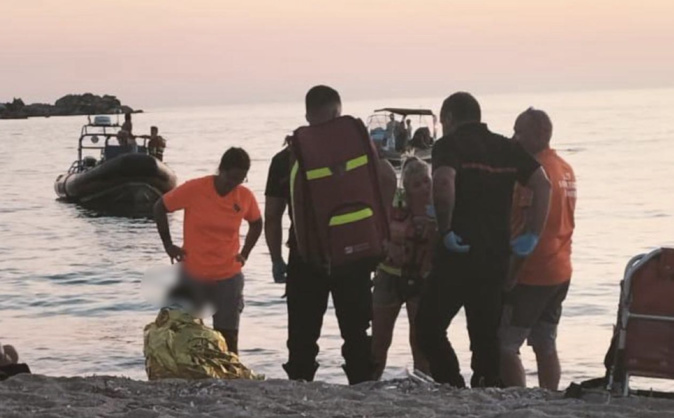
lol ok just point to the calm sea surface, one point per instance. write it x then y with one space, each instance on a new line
70 293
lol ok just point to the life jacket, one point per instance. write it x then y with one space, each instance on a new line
339 217
413 232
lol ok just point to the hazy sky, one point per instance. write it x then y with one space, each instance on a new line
179 52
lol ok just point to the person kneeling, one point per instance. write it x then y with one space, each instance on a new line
177 344
9 362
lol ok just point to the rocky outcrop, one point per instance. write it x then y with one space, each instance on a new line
69 105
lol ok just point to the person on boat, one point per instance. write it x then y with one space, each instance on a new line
126 140
400 277
538 285
474 172
410 130
123 137
211 256
156 144
400 137
422 139
127 125
391 128
308 288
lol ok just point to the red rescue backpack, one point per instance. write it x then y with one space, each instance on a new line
339 217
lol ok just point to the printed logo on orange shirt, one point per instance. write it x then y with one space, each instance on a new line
568 185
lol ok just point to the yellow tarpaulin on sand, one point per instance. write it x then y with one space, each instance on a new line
178 345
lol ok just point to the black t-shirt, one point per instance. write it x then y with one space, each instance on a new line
278 181
487 166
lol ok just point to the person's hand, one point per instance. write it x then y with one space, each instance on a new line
278 270
524 244
454 243
241 259
175 253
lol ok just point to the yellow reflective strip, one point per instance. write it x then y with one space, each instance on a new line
356 162
293 175
319 173
390 270
348 218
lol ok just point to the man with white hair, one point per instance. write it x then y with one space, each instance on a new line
538 285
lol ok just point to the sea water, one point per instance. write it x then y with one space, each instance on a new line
70 281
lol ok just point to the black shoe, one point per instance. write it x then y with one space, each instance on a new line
303 373
359 374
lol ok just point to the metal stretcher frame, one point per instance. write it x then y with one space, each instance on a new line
624 317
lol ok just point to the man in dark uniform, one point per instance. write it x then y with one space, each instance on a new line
308 287
474 171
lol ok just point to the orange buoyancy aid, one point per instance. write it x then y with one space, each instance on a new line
413 230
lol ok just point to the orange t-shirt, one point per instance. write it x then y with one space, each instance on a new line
550 262
211 227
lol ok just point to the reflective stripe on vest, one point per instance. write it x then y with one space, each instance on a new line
293 175
394 271
319 173
348 218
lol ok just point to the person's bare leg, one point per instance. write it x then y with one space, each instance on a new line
11 352
549 369
512 370
383 322
420 362
8 355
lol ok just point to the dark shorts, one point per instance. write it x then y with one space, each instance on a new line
391 290
224 297
532 313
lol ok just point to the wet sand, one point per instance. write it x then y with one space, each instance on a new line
28 396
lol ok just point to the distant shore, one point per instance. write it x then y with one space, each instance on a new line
33 395
69 105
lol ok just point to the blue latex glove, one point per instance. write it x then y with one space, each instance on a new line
454 243
524 244
278 270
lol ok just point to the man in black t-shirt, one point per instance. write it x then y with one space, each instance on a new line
308 287
277 195
474 171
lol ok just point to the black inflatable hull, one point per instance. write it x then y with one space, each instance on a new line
127 185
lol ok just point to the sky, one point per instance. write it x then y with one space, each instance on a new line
202 52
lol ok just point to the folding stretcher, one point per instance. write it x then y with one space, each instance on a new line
645 325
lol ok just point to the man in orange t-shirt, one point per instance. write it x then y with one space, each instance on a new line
215 207
538 284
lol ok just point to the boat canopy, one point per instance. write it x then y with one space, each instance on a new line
406 112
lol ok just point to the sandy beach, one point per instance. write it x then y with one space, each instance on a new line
32 396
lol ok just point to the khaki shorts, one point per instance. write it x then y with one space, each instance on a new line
532 313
